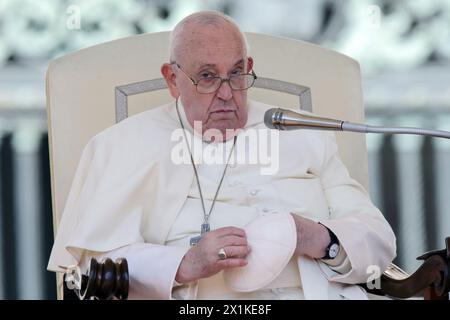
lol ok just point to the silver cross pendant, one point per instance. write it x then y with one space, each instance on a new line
205 228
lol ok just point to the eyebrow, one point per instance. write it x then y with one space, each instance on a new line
213 65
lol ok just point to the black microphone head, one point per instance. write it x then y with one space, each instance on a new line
269 118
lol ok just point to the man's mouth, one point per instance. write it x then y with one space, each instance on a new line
223 110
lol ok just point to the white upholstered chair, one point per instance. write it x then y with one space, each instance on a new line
91 89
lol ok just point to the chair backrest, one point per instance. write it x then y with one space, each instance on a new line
91 89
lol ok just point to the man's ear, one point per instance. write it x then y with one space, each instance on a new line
169 75
249 64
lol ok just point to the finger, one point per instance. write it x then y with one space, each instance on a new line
230 231
233 241
231 263
237 251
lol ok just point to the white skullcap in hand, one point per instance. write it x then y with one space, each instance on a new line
273 239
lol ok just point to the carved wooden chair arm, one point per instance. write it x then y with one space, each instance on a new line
431 280
105 280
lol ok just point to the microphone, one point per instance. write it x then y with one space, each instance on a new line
283 119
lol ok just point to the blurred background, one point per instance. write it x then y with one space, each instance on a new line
403 47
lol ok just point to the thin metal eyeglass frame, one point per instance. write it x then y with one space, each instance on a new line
222 80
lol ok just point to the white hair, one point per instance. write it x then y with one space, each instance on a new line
214 18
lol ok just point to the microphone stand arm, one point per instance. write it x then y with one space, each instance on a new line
356 127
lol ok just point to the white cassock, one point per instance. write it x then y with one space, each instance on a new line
131 199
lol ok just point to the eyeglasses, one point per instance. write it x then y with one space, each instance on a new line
211 84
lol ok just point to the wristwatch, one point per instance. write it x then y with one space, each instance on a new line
332 250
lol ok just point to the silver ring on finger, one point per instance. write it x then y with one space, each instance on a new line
222 254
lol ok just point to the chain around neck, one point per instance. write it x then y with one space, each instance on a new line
205 215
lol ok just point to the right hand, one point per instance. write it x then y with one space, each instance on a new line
202 260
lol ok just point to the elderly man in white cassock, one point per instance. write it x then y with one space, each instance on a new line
219 230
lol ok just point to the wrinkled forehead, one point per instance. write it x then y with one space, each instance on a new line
215 46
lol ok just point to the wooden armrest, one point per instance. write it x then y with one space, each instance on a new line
431 279
106 280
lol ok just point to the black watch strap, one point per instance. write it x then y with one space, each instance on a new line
333 248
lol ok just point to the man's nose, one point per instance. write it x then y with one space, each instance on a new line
224 92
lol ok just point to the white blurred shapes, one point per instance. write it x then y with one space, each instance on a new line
103 20
30 28
423 9
4 50
4 53
297 18
402 38
425 87
154 19
440 30
436 14
392 45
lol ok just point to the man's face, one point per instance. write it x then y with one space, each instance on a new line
213 52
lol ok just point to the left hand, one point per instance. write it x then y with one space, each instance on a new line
312 238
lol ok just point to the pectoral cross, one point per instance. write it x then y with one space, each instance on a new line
205 228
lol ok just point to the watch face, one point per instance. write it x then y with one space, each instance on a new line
334 250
